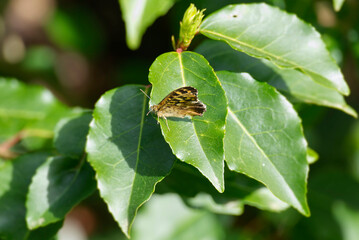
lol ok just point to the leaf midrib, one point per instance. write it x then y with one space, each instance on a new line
194 129
262 152
137 158
278 58
63 192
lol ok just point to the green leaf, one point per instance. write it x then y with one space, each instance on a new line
58 185
240 191
30 109
348 220
338 4
312 156
167 217
264 138
294 84
139 15
267 32
15 177
71 132
198 140
48 232
127 151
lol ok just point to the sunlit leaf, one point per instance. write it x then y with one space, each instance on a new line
312 156
294 84
198 140
338 4
267 32
264 138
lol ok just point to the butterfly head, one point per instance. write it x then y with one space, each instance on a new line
153 108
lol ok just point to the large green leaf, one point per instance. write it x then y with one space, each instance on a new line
240 191
292 83
267 32
58 185
199 140
264 138
31 109
139 15
127 151
15 177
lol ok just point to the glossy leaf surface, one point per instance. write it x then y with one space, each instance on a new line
198 140
264 138
267 32
127 151
298 86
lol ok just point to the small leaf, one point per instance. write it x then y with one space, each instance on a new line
71 132
58 185
264 138
312 156
127 151
15 178
139 15
292 83
338 4
198 140
267 32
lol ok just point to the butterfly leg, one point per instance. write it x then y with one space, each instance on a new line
166 123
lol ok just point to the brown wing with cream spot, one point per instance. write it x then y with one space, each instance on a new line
180 103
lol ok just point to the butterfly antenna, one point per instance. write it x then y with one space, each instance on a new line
145 95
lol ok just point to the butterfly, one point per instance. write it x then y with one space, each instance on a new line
180 103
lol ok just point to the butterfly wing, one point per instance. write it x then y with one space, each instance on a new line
180 103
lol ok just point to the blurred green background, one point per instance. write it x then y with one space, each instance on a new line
78 50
